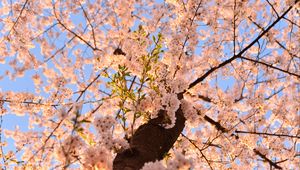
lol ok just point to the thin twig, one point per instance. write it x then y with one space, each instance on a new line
273 8
268 134
90 23
192 142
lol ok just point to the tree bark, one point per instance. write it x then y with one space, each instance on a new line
150 142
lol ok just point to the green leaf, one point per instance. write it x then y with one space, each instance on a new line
79 129
85 121
154 39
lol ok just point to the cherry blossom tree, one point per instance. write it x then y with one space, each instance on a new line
146 84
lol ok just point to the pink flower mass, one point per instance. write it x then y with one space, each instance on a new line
149 84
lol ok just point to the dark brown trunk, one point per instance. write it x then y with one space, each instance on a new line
150 142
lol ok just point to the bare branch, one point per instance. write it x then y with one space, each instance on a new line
273 8
282 46
268 134
292 22
270 66
216 124
274 164
59 50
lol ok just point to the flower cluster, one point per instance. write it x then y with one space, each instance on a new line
154 165
178 85
146 105
96 156
171 104
190 113
70 149
106 139
103 124
179 162
113 144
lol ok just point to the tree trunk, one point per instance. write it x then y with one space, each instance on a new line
150 142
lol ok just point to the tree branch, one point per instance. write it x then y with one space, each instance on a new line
216 124
268 134
273 8
270 66
274 164
213 69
